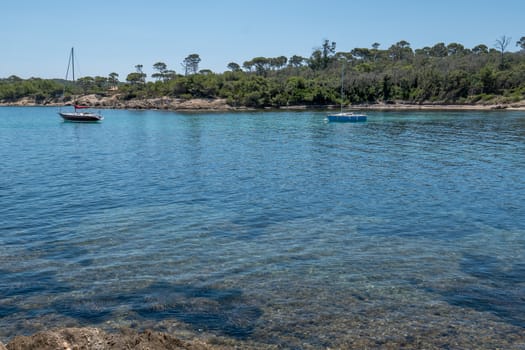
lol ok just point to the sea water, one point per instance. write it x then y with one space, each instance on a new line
267 228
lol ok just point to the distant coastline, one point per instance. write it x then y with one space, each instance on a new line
221 105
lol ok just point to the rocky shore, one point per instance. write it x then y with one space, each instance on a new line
116 102
201 104
97 339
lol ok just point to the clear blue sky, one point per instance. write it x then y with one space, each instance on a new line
115 35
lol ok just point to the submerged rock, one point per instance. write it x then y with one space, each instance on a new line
94 338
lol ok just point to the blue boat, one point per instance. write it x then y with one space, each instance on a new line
345 117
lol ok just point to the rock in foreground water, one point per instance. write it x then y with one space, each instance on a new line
94 338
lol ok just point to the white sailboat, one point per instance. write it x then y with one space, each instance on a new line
77 116
345 116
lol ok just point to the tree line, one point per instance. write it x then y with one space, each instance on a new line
442 73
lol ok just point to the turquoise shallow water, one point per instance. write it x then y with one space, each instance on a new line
267 228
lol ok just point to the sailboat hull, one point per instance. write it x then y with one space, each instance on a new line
346 118
81 117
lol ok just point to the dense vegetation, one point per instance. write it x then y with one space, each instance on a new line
438 74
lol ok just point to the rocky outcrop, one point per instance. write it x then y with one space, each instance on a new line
168 103
118 102
96 339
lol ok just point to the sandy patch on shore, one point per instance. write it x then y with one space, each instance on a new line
439 107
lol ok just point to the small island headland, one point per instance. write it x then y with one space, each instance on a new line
439 77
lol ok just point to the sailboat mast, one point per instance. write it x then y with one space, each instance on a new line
73 62
342 79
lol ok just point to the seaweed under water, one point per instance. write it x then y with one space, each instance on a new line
495 287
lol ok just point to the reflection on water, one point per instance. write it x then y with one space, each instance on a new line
267 228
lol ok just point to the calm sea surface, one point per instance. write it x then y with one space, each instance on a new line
265 229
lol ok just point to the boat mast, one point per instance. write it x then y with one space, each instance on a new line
73 63
342 79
